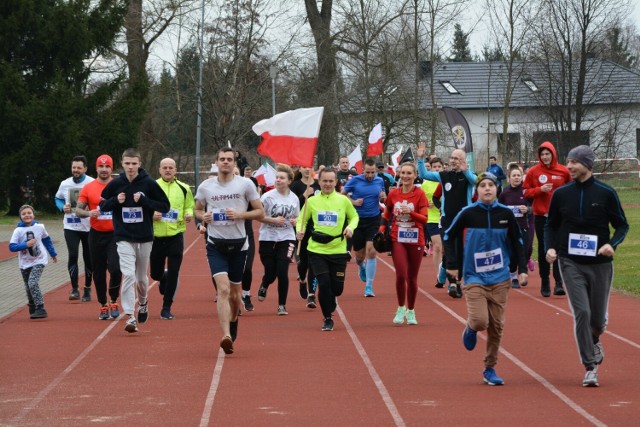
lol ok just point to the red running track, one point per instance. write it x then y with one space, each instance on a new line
72 369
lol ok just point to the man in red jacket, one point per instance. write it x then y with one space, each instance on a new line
540 183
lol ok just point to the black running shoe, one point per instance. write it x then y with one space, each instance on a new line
86 294
143 313
262 293
328 324
246 301
233 330
311 301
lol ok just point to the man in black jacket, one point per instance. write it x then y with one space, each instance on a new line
133 197
578 237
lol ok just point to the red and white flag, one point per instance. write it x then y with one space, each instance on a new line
395 158
265 175
290 137
375 141
355 159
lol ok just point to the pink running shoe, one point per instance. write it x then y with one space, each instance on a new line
531 265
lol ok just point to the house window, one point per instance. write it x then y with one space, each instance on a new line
449 87
531 85
510 149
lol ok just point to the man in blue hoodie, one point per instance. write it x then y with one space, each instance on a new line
133 197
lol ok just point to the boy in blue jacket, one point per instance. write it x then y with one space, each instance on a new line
489 240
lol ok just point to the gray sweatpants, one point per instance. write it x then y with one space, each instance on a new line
588 287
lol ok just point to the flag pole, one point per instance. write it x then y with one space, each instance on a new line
304 212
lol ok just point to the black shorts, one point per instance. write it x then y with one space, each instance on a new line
367 228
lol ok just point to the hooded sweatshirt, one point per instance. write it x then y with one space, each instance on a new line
541 174
133 221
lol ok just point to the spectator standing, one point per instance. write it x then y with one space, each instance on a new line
497 171
133 197
103 248
76 229
578 239
539 184
168 235
33 244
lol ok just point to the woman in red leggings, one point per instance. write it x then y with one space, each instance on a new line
407 205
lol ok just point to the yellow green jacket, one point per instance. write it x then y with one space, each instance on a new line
328 205
181 201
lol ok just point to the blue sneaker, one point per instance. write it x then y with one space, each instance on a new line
469 338
490 377
362 271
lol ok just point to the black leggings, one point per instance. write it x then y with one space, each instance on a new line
330 272
302 261
73 239
247 275
276 257
169 250
540 222
104 256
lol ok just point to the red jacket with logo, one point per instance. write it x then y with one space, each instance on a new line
541 174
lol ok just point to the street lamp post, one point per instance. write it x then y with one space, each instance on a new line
199 119
273 72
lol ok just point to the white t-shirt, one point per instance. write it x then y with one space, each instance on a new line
275 205
69 192
217 197
40 254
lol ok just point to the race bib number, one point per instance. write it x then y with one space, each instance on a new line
408 235
516 211
583 244
171 216
73 220
327 218
220 217
132 215
488 261
105 216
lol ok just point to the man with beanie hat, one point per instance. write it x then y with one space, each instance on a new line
76 229
483 241
539 183
104 252
578 239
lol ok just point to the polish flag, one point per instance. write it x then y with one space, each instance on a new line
395 158
375 141
265 175
355 159
290 137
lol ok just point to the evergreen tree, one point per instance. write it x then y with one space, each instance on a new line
48 111
460 51
617 49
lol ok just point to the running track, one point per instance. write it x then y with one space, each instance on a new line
72 369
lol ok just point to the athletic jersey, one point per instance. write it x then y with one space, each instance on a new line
91 194
407 228
218 196
28 257
429 188
275 205
181 201
330 213
69 191
360 187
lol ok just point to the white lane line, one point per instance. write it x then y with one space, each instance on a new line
568 313
386 397
539 378
213 389
57 380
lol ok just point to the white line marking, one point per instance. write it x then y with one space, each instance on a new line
213 389
57 380
386 397
546 384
